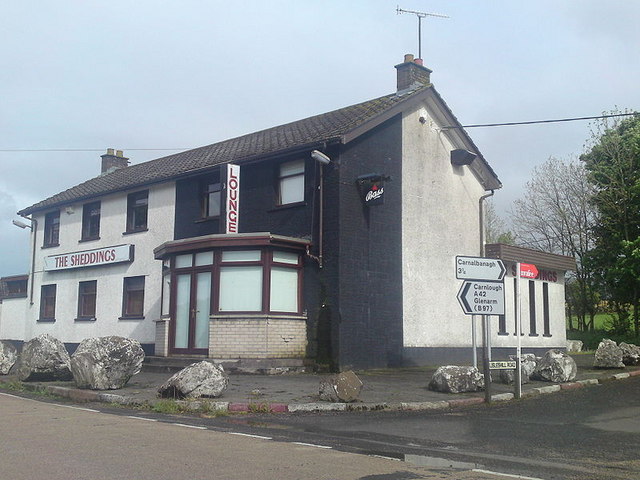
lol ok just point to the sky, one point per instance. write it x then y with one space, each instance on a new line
156 77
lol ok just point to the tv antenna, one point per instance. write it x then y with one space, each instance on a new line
420 16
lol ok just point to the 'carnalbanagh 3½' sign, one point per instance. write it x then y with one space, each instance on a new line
89 258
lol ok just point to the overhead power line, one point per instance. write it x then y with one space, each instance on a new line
533 122
91 149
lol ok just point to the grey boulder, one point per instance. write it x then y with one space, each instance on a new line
202 379
342 387
8 357
106 363
630 353
528 362
456 379
608 355
574 345
555 366
43 358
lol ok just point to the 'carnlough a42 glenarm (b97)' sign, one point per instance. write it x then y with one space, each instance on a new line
89 258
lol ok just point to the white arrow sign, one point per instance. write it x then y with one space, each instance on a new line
482 298
478 268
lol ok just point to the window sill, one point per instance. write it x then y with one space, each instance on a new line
288 205
135 317
503 334
534 335
207 219
548 335
85 319
46 320
131 232
92 239
51 245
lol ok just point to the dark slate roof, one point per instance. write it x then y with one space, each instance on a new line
307 133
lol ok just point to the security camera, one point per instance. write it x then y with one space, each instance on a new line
320 157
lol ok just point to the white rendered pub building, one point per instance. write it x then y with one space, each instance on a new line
331 238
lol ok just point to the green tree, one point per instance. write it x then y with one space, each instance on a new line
556 215
613 163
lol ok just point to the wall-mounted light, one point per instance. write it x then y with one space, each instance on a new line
20 224
320 157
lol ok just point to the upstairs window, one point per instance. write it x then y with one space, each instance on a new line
52 229
91 221
210 202
133 297
87 300
137 207
291 182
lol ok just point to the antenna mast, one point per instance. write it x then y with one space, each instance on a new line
420 16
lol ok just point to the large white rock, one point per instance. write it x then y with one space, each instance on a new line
555 366
342 387
456 379
202 379
630 353
574 345
608 355
106 363
43 358
528 362
8 357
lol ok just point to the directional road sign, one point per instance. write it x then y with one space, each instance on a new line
478 268
528 270
482 298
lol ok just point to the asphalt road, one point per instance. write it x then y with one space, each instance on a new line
590 433
44 440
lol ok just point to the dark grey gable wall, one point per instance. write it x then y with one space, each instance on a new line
370 253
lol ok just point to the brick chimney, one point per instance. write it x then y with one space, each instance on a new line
111 161
411 73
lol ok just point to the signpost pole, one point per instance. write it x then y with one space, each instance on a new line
474 341
485 361
518 379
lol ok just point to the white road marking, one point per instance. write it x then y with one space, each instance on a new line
520 477
311 445
77 408
142 418
249 435
386 458
189 426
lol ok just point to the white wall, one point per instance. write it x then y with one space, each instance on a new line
109 278
12 314
557 322
439 221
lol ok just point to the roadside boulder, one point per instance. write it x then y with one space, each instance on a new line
608 355
555 366
8 357
528 362
630 353
574 345
106 363
342 387
456 379
43 358
202 379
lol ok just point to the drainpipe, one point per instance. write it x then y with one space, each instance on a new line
323 160
481 218
34 229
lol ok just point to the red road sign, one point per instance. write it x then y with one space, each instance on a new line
528 270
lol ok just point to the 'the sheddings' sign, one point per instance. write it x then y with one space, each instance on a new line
89 258
232 203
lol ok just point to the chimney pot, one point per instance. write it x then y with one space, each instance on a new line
111 161
412 73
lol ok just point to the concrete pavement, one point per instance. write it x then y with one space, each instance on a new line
387 389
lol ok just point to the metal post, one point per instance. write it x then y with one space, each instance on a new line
485 361
518 379
474 341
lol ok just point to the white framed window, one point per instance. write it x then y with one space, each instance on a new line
291 182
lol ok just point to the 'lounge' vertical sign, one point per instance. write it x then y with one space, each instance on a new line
232 203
